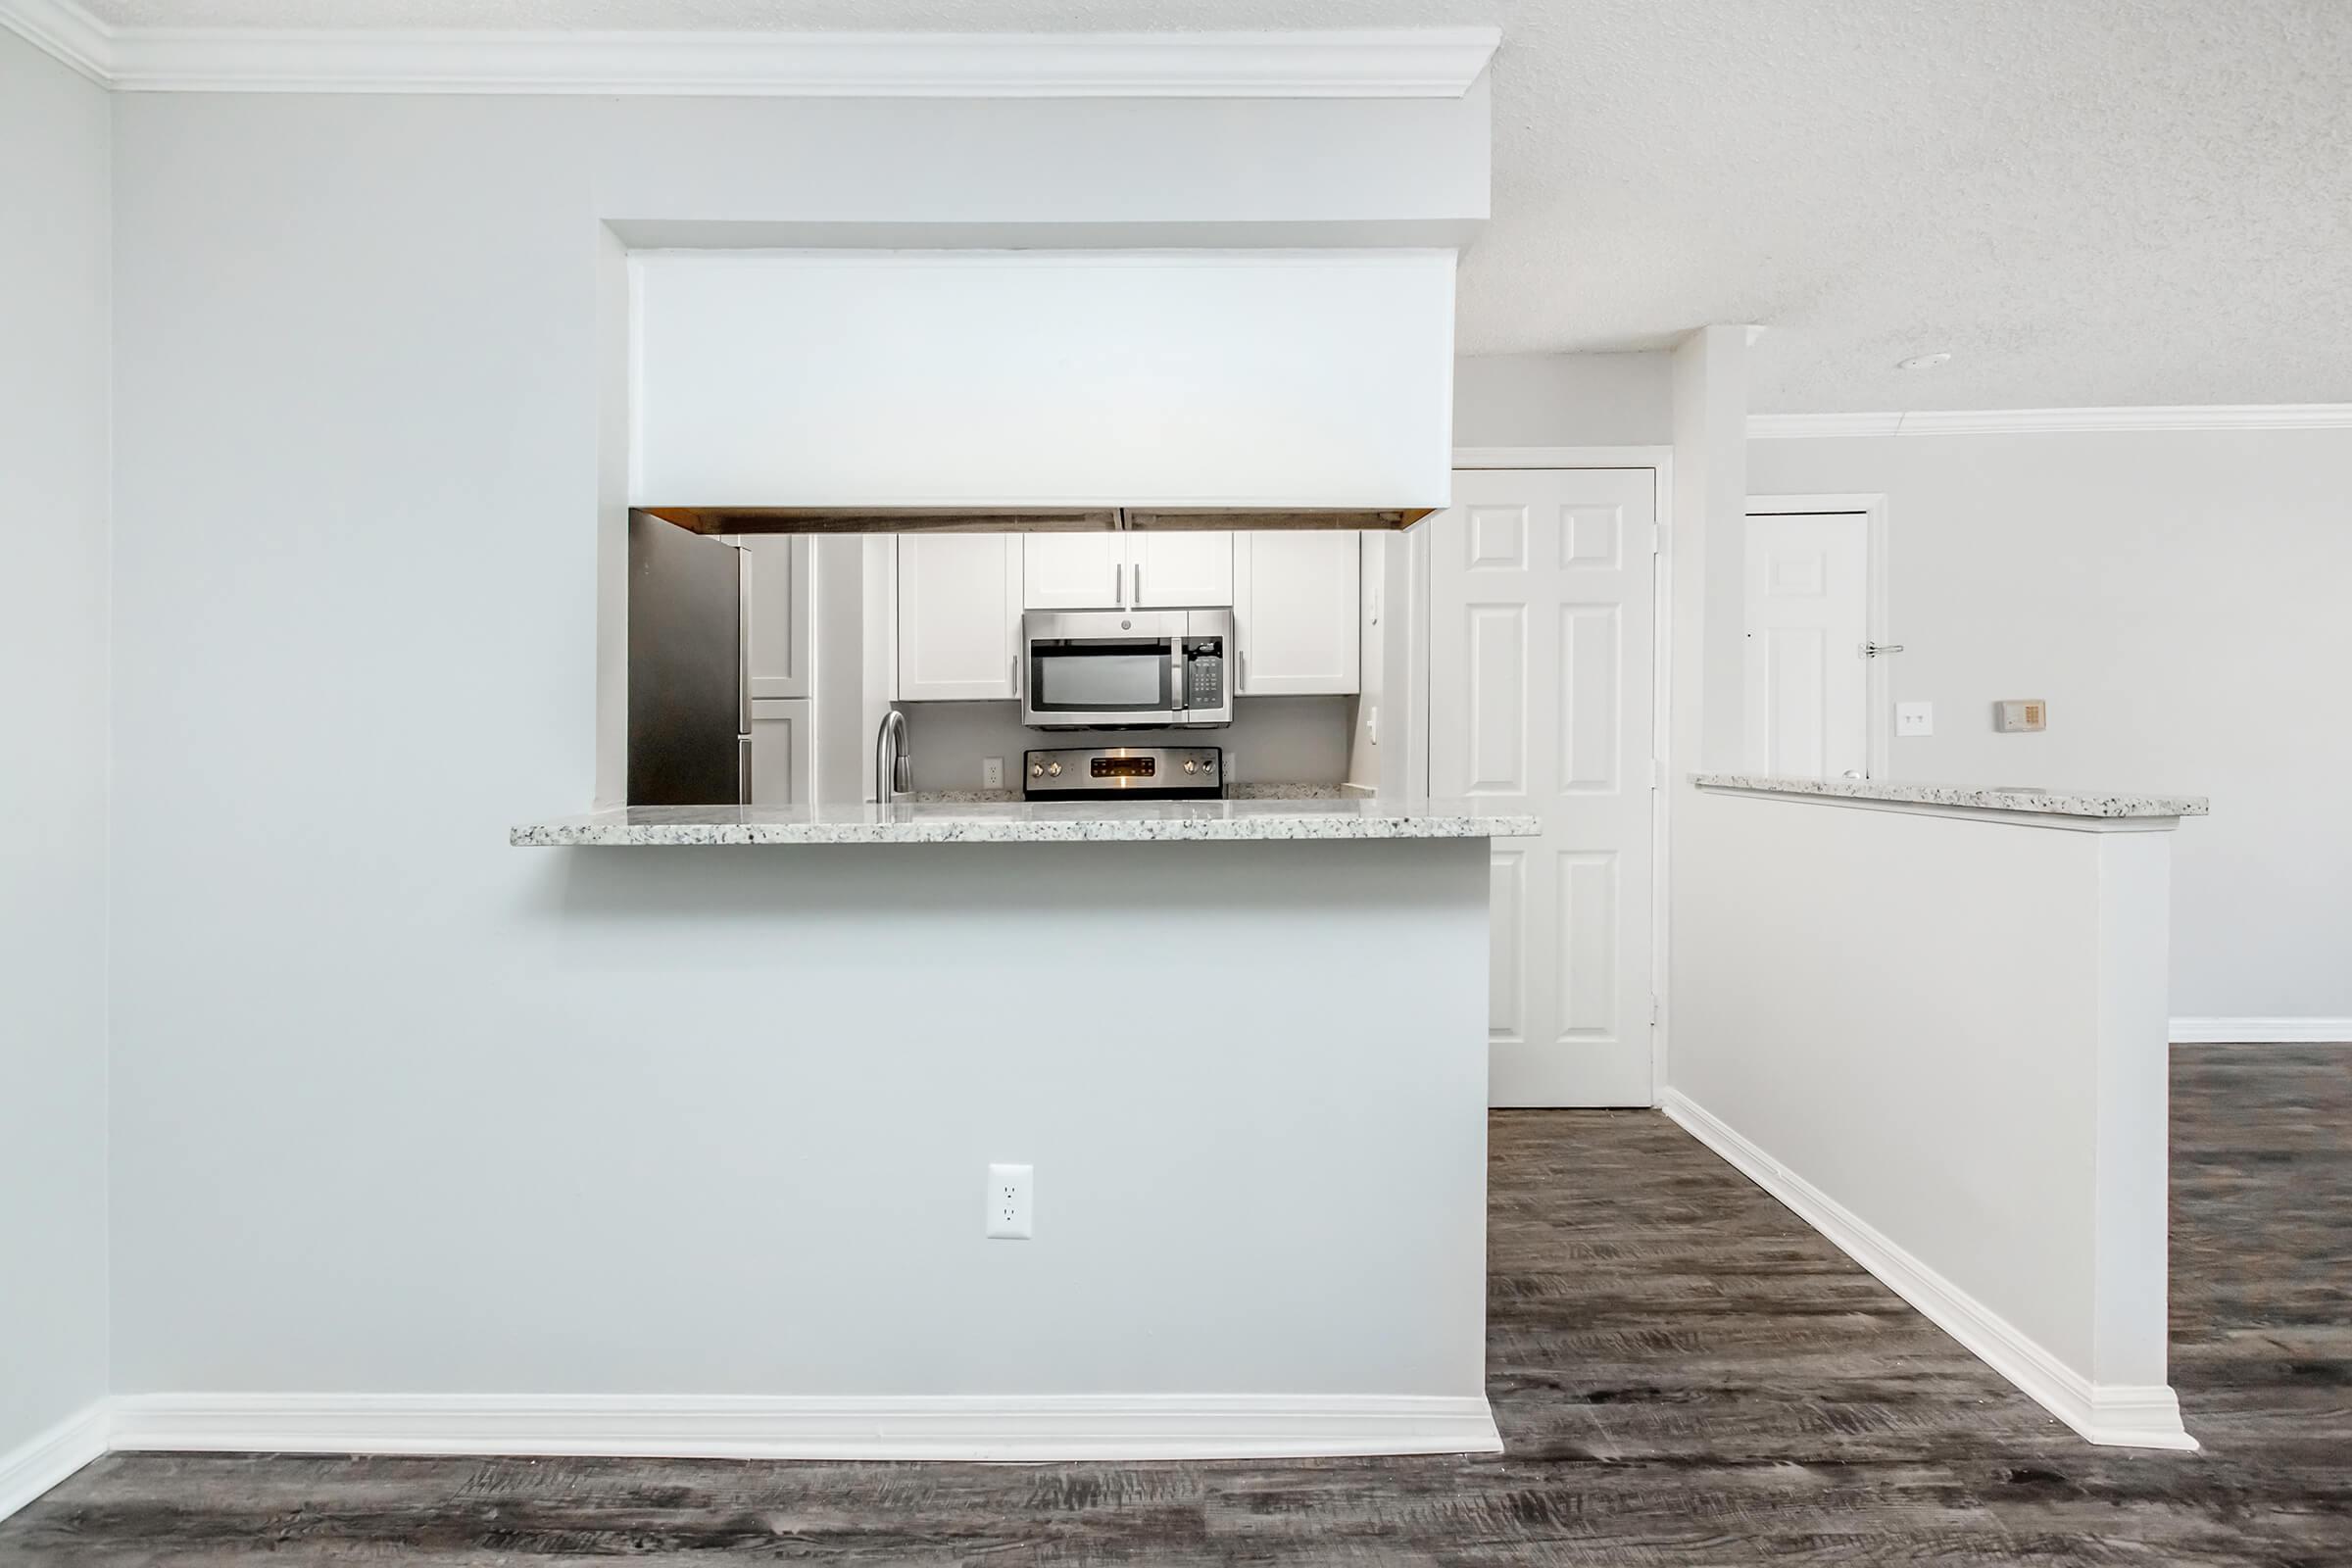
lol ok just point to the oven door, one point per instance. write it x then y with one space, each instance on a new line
1100 671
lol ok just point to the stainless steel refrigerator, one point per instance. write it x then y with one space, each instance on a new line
690 696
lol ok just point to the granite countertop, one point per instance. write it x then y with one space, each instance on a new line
2105 803
1015 822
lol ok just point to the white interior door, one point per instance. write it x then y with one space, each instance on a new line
1808 617
1542 627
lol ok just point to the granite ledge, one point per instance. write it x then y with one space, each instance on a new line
1014 822
2107 806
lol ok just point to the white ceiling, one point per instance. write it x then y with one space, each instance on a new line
2087 202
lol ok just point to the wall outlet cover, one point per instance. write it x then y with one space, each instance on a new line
992 772
1915 719
1011 1203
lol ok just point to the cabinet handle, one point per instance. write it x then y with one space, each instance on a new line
1241 675
1139 586
1118 583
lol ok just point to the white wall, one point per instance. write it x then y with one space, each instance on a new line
1943 1041
1272 740
1552 400
2179 598
53 153
398 1106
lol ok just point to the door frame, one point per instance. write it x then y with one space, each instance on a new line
1659 460
1878 684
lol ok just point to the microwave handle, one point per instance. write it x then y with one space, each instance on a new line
1176 696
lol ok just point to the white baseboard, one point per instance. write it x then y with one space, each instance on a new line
757 1427
32 1467
2261 1031
2115 1415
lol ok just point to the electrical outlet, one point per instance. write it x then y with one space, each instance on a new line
1915 719
1011 1202
992 772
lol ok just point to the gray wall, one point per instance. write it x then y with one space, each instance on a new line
400 1108
2179 599
53 704
1548 400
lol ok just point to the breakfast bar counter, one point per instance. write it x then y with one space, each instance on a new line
1028 822
1233 1039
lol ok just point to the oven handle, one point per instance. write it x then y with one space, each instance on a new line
1177 702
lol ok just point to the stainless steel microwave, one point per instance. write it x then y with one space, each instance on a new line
1126 668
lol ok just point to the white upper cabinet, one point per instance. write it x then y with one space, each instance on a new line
1092 378
1073 570
960 617
779 594
1127 572
1179 571
1295 613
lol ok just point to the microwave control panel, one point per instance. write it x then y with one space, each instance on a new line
1204 682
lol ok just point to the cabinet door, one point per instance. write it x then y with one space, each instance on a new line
1296 611
960 616
780 752
1179 571
779 660
1073 570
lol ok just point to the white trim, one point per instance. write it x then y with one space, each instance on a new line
64 29
2262 1031
985 1427
1339 63
2045 422
2111 1414
40 1462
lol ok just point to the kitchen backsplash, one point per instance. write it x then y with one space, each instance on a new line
1272 740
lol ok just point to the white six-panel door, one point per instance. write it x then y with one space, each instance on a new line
1541 619
1807 678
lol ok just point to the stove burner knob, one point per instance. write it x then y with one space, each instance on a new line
1191 767
1054 769
1037 771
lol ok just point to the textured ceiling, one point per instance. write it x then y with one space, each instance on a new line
2087 202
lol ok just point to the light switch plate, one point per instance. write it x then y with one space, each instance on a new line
1915 719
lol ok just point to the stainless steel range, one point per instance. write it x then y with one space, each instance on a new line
1125 772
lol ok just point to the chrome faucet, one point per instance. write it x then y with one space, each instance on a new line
893 757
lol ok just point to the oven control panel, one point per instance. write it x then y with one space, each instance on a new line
1164 772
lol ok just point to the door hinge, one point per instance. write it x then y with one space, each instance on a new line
1658 538
1657 1011
1657 772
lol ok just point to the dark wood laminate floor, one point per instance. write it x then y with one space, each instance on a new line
1683 1374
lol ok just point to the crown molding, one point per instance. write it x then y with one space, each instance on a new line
1383 63
2048 421
63 29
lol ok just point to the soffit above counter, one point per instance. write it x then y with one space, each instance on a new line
854 392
